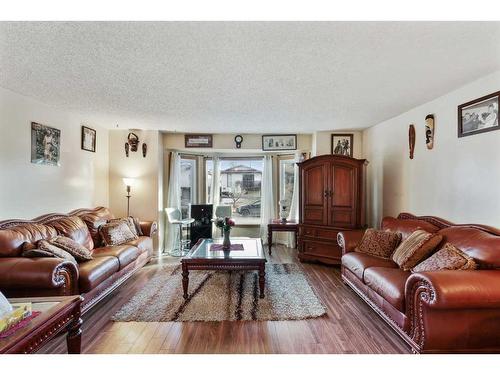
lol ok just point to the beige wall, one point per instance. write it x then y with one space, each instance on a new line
225 142
146 193
459 179
323 142
28 190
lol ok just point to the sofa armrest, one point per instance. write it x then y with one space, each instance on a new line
38 273
456 289
454 311
149 228
348 240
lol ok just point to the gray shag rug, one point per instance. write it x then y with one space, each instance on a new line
216 296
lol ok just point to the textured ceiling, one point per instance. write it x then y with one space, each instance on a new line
243 76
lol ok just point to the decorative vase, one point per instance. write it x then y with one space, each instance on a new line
226 243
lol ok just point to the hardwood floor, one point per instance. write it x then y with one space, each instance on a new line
349 327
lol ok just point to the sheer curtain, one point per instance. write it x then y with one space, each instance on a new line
294 204
267 197
215 190
173 198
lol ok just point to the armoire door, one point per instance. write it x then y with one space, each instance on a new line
342 210
314 181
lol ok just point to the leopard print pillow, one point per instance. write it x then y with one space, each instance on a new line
447 258
116 233
79 252
379 243
44 246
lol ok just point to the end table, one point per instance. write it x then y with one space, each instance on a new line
276 225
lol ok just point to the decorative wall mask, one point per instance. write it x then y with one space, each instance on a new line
133 141
411 139
429 131
144 149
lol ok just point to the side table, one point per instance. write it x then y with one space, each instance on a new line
276 225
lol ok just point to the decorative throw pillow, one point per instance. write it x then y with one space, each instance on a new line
45 246
415 248
379 243
116 233
132 223
137 225
447 258
80 252
29 250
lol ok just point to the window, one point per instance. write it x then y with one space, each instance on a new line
286 181
188 184
240 186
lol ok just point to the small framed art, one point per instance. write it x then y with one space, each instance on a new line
88 139
342 144
279 142
198 140
479 115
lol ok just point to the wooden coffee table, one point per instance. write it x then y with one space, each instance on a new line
201 257
58 314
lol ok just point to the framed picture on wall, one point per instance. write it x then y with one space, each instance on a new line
88 139
279 142
45 144
198 140
479 115
342 144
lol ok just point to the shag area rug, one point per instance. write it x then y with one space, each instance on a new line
223 295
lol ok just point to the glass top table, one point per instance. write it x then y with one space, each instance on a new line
252 249
204 257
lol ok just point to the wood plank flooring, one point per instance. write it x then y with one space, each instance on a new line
349 327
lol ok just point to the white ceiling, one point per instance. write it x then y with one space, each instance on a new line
243 76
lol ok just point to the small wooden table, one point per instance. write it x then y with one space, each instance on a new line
58 314
276 225
202 257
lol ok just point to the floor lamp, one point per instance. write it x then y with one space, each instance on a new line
128 182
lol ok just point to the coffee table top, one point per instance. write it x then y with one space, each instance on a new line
51 309
252 250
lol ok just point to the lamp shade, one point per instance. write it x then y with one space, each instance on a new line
129 181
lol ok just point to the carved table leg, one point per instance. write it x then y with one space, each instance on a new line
269 239
74 336
262 279
185 280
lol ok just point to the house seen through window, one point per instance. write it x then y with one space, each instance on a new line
240 186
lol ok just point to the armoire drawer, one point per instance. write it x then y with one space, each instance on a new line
329 250
318 233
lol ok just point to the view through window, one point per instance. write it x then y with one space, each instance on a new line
188 184
286 180
240 186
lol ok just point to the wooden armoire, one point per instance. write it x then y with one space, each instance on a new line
331 200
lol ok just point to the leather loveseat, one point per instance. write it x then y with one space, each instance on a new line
93 279
439 311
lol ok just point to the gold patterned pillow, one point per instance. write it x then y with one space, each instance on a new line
132 223
447 258
415 248
79 252
378 243
45 247
116 233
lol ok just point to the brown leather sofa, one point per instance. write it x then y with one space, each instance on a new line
93 279
434 312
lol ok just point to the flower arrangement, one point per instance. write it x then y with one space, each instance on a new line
225 223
